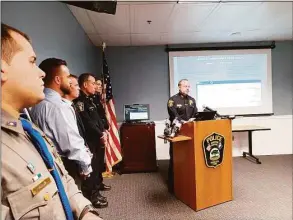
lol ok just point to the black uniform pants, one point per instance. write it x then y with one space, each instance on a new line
99 166
101 163
90 185
171 170
73 170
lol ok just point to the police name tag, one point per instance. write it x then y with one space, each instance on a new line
38 188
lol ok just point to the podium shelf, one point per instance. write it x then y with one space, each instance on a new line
176 138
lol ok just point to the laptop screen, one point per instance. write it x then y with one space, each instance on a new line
136 112
201 116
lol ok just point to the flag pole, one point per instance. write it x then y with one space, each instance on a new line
103 78
104 174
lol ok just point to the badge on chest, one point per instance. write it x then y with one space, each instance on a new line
80 106
91 108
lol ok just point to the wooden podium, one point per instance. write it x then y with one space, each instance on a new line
202 154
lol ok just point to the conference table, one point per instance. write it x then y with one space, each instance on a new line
249 128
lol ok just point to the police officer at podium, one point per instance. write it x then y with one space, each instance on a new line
182 107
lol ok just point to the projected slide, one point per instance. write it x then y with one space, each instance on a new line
233 82
223 94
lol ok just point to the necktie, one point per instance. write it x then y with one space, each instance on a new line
41 146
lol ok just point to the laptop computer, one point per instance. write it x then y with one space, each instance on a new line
206 115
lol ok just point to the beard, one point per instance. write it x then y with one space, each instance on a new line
65 89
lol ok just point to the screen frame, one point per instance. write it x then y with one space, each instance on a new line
124 113
245 111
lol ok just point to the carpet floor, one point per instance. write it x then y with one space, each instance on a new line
261 192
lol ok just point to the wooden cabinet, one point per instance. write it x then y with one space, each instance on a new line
138 147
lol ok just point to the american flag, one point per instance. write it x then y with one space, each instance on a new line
113 147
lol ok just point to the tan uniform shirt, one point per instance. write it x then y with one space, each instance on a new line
23 194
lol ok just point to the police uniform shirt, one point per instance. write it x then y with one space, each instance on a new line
28 190
181 107
101 110
91 120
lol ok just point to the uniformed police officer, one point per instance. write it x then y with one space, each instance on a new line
96 137
97 97
34 182
183 107
97 100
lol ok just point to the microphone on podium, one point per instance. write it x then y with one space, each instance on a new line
208 108
217 114
211 110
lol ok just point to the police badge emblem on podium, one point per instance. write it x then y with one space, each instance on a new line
213 148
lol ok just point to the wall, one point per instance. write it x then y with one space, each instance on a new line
282 80
141 75
276 141
54 32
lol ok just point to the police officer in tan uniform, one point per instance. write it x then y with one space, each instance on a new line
29 189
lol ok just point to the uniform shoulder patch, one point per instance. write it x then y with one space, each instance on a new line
80 106
170 103
190 101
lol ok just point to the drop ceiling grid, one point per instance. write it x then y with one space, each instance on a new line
187 23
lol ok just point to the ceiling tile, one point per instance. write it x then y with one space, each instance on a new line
142 2
257 1
186 17
255 35
228 16
189 38
269 15
112 24
146 39
96 39
83 19
284 34
187 23
200 2
116 39
156 13
258 35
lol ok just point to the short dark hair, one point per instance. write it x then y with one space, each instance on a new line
9 47
179 83
50 67
73 76
83 78
98 78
